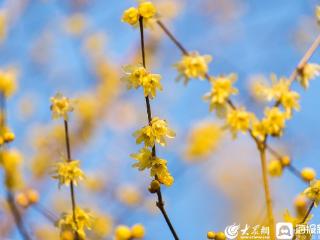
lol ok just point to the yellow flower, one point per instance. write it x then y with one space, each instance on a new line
211 235
290 100
134 75
147 10
61 106
102 226
129 194
301 205
313 191
83 222
158 167
280 91
8 82
67 172
308 174
160 170
157 131
150 84
258 130
239 120
11 161
131 16
203 140
221 90
122 232
275 168
287 217
137 231
308 72
193 66
137 76
144 158
274 121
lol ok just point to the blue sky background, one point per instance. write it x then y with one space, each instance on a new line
260 38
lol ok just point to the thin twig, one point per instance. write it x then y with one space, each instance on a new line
308 212
10 198
45 212
262 150
160 202
17 216
306 57
69 159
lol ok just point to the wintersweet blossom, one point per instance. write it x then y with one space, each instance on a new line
308 174
144 159
275 168
313 191
67 172
156 132
160 171
122 232
138 76
274 121
307 73
83 221
131 16
239 120
61 106
137 231
10 161
221 89
193 65
158 167
145 10
8 82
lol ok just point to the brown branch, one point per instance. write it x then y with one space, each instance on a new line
160 202
72 194
17 216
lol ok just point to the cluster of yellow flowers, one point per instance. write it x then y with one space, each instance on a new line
123 232
216 235
68 225
27 198
68 172
276 166
145 10
193 65
280 92
138 76
157 129
155 132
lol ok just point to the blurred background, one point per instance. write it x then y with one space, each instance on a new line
77 47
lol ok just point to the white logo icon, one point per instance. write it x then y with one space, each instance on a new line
231 231
284 231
